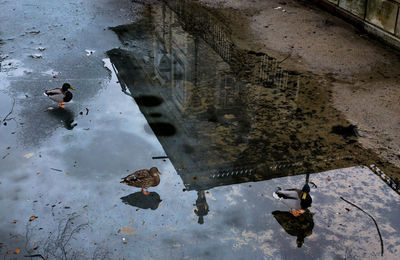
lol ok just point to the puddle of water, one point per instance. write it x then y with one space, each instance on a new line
14 68
51 72
220 123
239 117
243 116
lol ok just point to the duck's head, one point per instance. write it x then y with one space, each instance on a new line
306 189
154 171
66 86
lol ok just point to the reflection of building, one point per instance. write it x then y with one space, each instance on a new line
227 123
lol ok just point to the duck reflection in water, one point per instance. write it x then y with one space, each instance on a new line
140 200
202 206
300 227
64 115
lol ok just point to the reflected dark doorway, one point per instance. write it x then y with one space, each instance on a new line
300 227
139 200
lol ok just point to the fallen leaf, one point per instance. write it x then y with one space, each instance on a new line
32 218
347 209
35 248
17 251
15 221
9 252
119 231
127 230
28 155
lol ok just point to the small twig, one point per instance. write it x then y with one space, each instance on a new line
54 169
159 157
4 157
9 113
290 54
376 224
37 255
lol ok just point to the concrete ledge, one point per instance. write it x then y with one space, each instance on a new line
360 23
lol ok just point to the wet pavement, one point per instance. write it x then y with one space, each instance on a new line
164 85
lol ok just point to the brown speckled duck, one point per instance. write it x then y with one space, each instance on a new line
143 179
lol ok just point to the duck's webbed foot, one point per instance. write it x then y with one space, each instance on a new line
145 192
296 212
61 104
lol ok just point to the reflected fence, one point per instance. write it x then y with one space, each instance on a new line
201 22
207 26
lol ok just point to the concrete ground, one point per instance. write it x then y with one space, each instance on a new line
60 168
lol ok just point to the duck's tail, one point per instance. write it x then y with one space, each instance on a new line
275 195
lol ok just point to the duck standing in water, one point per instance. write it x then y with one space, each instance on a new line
143 179
60 95
296 199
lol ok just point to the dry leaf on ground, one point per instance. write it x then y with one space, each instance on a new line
28 155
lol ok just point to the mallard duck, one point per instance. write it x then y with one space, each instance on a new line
143 179
60 95
295 199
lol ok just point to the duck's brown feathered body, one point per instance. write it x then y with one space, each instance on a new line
143 179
